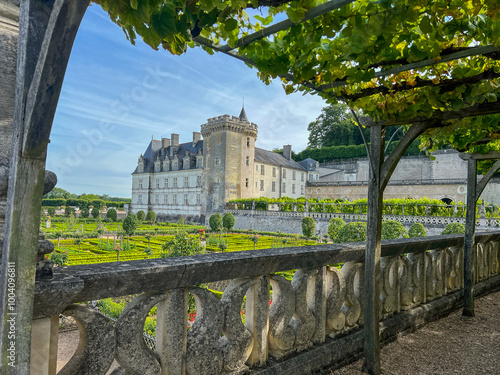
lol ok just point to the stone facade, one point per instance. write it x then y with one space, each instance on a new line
201 176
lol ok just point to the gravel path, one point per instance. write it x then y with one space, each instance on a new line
452 345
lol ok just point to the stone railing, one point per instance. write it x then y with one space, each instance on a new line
320 309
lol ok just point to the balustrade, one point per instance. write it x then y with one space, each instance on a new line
282 317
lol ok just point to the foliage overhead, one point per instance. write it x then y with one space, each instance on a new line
359 53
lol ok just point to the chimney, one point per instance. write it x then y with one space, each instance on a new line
175 139
287 152
196 137
165 142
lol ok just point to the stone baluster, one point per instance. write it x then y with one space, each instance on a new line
335 297
303 322
317 303
417 278
257 319
389 294
405 282
281 334
353 304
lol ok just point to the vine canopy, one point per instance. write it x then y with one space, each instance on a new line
390 60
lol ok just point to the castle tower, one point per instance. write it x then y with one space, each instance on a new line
229 148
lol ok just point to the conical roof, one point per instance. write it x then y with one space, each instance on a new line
243 115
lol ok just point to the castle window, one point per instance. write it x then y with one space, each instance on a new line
261 185
157 199
157 182
217 161
256 167
199 163
284 173
293 188
139 199
186 200
175 182
302 176
198 199
284 188
274 171
302 190
198 181
174 199
248 141
273 186
248 160
165 199
175 165
186 181
140 184
262 169
165 183
293 175
246 182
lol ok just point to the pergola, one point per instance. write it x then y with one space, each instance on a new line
47 31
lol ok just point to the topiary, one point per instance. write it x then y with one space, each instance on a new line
95 212
352 232
84 212
417 230
151 216
393 229
228 221
141 215
111 214
308 226
454 228
333 228
215 221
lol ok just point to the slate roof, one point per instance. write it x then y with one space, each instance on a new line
308 164
273 158
155 150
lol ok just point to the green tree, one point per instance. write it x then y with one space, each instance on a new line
308 226
111 214
334 227
141 216
151 216
454 228
70 222
215 221
228 221
129 225
84 212
334 126
417 230
393 229
352 232
57 193
181 245
69 211
95 213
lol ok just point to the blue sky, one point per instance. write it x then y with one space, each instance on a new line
116 96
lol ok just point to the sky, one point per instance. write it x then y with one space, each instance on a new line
117 96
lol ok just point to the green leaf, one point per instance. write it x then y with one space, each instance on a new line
133 4
164 23
230 25
425 25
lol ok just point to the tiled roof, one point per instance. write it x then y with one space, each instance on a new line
273 158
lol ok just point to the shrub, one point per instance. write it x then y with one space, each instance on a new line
352 232
51 211
84 212
151 216
228 221
111 214
181 245
59 259
215 221
69 211
95 212
308 226
141 216
333 228
130 224
393 229
454 228
417 230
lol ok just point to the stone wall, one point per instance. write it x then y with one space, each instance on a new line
9 28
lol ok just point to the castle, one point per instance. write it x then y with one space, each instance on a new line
197 177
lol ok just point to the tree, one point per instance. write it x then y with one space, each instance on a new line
215 221
130 224
352 232
393 229
417 230
95 212
58 193
84 212
181 245
334 227
454 228
151 216
111 214
228 221
141 216
69 211
308 226
334 126
51 211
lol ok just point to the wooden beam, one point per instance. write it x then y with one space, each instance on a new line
486 178
475 110
371 364
488 156
286 24
470 226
